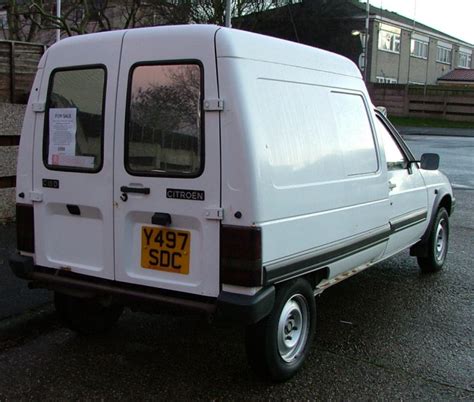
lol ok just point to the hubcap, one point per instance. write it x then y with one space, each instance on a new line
293 327
441 240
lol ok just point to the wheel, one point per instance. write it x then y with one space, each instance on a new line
278 345
84 315
437 244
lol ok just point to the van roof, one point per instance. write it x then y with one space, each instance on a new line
248 45
230 43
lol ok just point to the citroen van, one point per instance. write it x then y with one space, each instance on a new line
210 169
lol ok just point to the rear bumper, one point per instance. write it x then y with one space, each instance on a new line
240 308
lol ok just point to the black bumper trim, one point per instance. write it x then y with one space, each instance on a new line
245 308
22 266
240 308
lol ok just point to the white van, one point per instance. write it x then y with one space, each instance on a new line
199 167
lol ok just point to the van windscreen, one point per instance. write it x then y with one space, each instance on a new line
164 120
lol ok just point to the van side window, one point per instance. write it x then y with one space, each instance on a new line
164 121
355 133
393 155
74 122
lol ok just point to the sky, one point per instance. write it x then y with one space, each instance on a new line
453 17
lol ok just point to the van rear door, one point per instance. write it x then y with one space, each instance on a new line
167 162
73 151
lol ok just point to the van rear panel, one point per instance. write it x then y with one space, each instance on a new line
126 161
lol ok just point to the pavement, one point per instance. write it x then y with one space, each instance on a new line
437 131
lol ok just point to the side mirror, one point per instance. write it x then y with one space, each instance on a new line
429 161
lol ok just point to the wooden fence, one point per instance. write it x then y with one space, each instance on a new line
448 103
18 63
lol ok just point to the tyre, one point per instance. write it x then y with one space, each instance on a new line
84 315
437 244
278 345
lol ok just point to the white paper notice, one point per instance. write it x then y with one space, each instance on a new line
62 134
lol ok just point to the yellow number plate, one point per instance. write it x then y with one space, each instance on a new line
165 249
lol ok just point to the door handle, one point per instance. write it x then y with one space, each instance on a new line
73 209
136 190
391 185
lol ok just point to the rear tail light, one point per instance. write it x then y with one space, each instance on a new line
241 256
25 228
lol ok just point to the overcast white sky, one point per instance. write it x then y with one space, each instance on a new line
453 17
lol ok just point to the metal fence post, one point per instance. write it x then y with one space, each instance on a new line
12 72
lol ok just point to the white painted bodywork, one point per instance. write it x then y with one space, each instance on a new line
276 153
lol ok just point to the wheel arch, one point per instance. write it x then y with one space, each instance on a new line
443 199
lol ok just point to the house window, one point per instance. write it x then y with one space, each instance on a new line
3 20
389 38
386 80
444 55
419 48
464 60
78 14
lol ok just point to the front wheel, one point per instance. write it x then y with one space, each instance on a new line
278 345
437 244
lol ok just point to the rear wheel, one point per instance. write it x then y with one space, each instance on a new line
437 244
278 345
84 315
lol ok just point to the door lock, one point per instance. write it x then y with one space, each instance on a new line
161 218
124 197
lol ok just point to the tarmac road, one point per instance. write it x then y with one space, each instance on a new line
387 333
456 156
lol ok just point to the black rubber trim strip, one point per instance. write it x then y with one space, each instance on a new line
246 309
73 283
407 220
324 256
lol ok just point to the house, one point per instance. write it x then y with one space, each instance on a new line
400 50
459 76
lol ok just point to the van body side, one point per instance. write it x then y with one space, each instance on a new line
216 170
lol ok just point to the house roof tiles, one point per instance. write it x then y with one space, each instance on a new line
459 74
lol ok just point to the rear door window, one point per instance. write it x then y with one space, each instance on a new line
74 120
164 121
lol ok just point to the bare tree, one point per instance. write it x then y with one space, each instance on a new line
28 19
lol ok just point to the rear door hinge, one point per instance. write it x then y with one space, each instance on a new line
38 107
213 105
36 196
214 214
